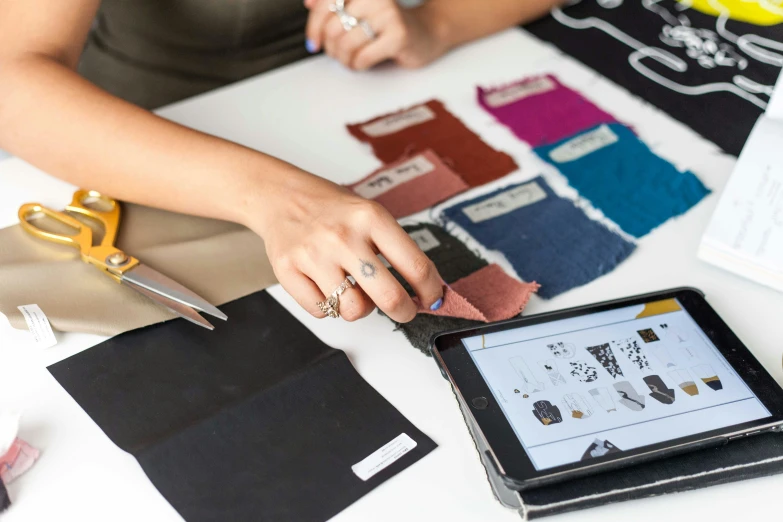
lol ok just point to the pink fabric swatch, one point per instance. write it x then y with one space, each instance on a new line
540 110
488 294
19 458
411 184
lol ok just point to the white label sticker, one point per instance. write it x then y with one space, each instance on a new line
397 122
505 202
518 92
386 180
38 325
425 239
583 145
387 455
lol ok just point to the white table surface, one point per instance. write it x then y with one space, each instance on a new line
298 113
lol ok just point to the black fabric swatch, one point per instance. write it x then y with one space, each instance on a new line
708 57
257 420
5 501
451 256
454 261
752 457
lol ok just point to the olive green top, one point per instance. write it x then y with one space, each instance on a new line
155 52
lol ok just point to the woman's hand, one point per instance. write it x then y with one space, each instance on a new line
317 233
406 36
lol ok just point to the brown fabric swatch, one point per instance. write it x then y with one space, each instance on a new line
486 295
431 126
411 184
218 260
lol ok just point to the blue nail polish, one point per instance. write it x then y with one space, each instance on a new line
310 46
437 304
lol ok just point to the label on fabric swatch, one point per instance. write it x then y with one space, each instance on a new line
388 454
38 325
386 180
583 145
505 202
399 121
425 239
519 91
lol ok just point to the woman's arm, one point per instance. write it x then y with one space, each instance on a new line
413 37
315 231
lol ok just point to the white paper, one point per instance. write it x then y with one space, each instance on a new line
518 92
397 122
745 234
9 427
38 325
583 145
386 180
505 202
388 454
425 239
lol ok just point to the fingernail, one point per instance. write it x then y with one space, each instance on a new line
437 304
310 46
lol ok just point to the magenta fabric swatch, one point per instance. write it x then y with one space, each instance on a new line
540 110
486 295
411 184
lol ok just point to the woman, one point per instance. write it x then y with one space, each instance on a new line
151 52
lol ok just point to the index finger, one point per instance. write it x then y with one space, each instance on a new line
402 252
316 21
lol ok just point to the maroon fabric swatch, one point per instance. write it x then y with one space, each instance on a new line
488 294
411 184
540 110
431 126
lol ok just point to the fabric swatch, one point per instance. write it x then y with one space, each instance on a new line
540 110
487 295
5 501
546 238
691 67
621 176
431 126
411 184
260 421
420 330
17 460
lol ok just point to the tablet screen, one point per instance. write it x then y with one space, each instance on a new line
586 386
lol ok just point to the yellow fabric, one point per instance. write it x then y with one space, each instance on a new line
220 261
757 12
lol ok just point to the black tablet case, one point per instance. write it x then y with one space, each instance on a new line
747 458
723 118
257 420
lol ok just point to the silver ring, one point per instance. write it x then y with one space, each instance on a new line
331 307
348 21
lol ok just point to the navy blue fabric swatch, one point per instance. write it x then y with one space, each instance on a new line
549 241
632 186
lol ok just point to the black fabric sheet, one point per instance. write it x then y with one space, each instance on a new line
257 420
5 501
686 63
752 457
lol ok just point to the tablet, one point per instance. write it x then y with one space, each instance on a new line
584 390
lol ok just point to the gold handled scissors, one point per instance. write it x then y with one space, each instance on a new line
112 261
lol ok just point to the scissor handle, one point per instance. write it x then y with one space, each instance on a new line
110 219
82 239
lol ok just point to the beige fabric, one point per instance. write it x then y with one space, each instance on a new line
220 261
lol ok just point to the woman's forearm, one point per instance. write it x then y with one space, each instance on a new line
456 22
64 125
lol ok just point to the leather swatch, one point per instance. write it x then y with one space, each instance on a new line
699 68
411 184
218 260
546 238
637 189
431 126
489 294
258 421
540 110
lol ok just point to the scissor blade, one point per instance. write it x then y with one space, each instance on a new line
154 281
178 308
